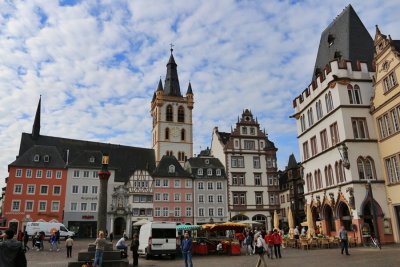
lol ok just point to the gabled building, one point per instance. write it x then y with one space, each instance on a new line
337 139
173 192
172 132
385 109
209 188
249 158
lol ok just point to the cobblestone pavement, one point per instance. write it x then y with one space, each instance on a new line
389 256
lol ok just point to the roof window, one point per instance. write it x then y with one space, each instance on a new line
46 158
36 158
91 159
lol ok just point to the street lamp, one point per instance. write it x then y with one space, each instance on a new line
344 154
373 211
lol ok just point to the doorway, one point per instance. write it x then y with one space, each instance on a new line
119 226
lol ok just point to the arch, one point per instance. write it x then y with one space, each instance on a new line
183 135
260 218
343 212
181 114
167 133
169 115
238 218
329 219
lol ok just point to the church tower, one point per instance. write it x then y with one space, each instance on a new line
172 132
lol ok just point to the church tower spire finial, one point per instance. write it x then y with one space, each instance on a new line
36 123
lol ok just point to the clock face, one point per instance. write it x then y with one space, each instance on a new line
175 131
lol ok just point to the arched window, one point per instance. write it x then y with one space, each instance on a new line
370 168
330 174
181 114
329 102
310 117
360 167
317 185
318 109
169 153
166 133
354 94
183 135
181 156
320 177
171 169
170 113
302 123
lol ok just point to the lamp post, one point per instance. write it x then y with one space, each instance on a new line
104 175
373 211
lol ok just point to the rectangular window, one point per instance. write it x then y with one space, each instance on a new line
387 124
18 173
306 155
218 172
210 212
395 120
76 173
210 198
219 185
389 82
177 197
360 129
49 174
188 183
57 190
28 173
85 174
256 163
39 173
189 197
188 212
259 198
201 212
157 197
220 198
75 189
239 198
382 129
200 185
201 199
28 205
165 196
313 142
58 174
157 183
94 189
93 206
55 206
95 174
177 183
157 212
200 172
257 179
165 212
85 189
392 169
83 206
334 133
44 189
165 183
30 189
237 162
18 189
252 131
74 206
177 212
220 212
42 205
210 186
16 205
249 145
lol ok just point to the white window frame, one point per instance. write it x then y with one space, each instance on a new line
18 192
15 208
40 204
49 174
47 190
18 173
58 174
30 186
28 173
39 174
54 189
55 203
26 205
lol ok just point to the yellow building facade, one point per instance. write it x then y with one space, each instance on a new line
385 109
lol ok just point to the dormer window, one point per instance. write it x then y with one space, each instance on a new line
200 172
36 158
171 169
218 172
46 158
91 159
209 172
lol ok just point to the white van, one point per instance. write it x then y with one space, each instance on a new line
158 238
47 228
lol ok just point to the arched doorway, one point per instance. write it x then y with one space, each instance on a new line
329 219
119 226
315 215
239 218
367 214
344 215
261 219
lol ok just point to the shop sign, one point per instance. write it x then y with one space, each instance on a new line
87 217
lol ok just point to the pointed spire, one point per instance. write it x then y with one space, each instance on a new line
189 90
377 30
171 85
36 123
160 87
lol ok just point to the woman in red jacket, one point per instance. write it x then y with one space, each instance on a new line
276 237
270 243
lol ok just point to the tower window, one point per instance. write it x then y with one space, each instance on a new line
331 39
181 156
181 114
167 134
170 113
183 135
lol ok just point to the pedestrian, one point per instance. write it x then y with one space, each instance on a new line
20 236
344 240
249 244
11 252
53 242
111 237
100 243
186 247
58 238
122 245
68 244
259 249
277 239
270 243
41 239
26 240
134 249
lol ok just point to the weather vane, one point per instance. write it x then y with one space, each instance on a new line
172 45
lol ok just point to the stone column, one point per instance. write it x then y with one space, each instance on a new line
104 175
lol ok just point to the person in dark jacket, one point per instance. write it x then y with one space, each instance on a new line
186 247
134 249
11 251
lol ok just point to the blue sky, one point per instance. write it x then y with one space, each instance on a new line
97 63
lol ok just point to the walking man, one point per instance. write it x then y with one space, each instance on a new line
186 247
344 240
134 249
69 243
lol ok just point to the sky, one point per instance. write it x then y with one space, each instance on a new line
97 63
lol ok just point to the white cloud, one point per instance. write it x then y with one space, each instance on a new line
97 64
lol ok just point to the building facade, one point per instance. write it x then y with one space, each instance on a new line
249 158
172 131
173 192
385 109
209 188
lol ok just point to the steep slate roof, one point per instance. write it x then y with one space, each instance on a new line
292 164
123 159
162 169
26 159
224 137
349 37
171 85
269 144
200 162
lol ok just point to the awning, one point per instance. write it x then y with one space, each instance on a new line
187 227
